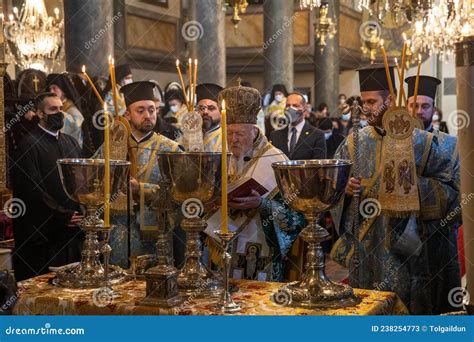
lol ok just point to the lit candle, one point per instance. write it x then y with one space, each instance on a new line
182 83
224 228
402 76
106 169
415 91
387 70
195 80
96 92
402 89
190 83
114 85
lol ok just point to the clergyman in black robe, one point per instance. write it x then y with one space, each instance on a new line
45 228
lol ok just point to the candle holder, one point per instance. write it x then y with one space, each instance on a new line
226 304
194 182
312 187
83 182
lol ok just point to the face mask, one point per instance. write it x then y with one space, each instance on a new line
435 117
55 121
279 98
363 123
346 117
327 135
174 108
293 113
341 101
127 81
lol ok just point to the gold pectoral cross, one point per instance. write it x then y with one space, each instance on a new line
35 83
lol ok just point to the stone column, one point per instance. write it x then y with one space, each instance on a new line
207 28
278 43
465 125
326 66
89 35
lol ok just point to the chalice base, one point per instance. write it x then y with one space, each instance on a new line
76 277
322 294
203 283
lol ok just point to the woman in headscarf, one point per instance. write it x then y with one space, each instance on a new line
276 108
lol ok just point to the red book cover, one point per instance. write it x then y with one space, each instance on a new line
244 187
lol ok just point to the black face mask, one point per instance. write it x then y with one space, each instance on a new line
55 121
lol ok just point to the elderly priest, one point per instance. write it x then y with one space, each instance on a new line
266 225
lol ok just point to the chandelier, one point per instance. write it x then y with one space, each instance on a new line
238 7
436 25
442 26
324 27
35 40
310 4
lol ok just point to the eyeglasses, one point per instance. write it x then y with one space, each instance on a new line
202 108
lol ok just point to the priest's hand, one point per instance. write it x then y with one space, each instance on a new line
250 202
135 186
75 219
352 186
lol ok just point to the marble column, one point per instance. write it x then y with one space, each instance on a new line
326 66
89 35
465 125
278 43
207 29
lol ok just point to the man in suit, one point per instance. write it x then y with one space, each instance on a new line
299 139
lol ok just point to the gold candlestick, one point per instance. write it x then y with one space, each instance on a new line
96 92
387 70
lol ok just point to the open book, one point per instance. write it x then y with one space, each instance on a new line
243 187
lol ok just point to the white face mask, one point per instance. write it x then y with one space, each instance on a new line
363 123
174 108
435 117
279 98
327 135
127 81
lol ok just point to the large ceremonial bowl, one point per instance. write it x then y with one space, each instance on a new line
312 187
83 179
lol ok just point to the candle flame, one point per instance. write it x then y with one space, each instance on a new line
396 60
190 61
195 62
223 104
177 62
105 106
419 58
83 69
110 58
381 42
404 36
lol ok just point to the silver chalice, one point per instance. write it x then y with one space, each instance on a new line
83 182
313 187
194 182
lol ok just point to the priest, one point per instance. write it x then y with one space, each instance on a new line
442 233
209 108
393 249
141 112
266 225
45 224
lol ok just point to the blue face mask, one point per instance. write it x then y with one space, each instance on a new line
293 113
363 123
327 135
346 117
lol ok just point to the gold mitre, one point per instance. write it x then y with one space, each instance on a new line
242 104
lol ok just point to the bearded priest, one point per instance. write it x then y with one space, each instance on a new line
266 225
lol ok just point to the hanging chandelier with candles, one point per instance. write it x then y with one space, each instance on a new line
35 40
325 27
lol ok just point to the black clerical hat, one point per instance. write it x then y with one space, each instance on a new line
138 91
207 91
374 78
122 71
427 86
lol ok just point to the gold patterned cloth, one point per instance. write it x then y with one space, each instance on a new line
38 297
